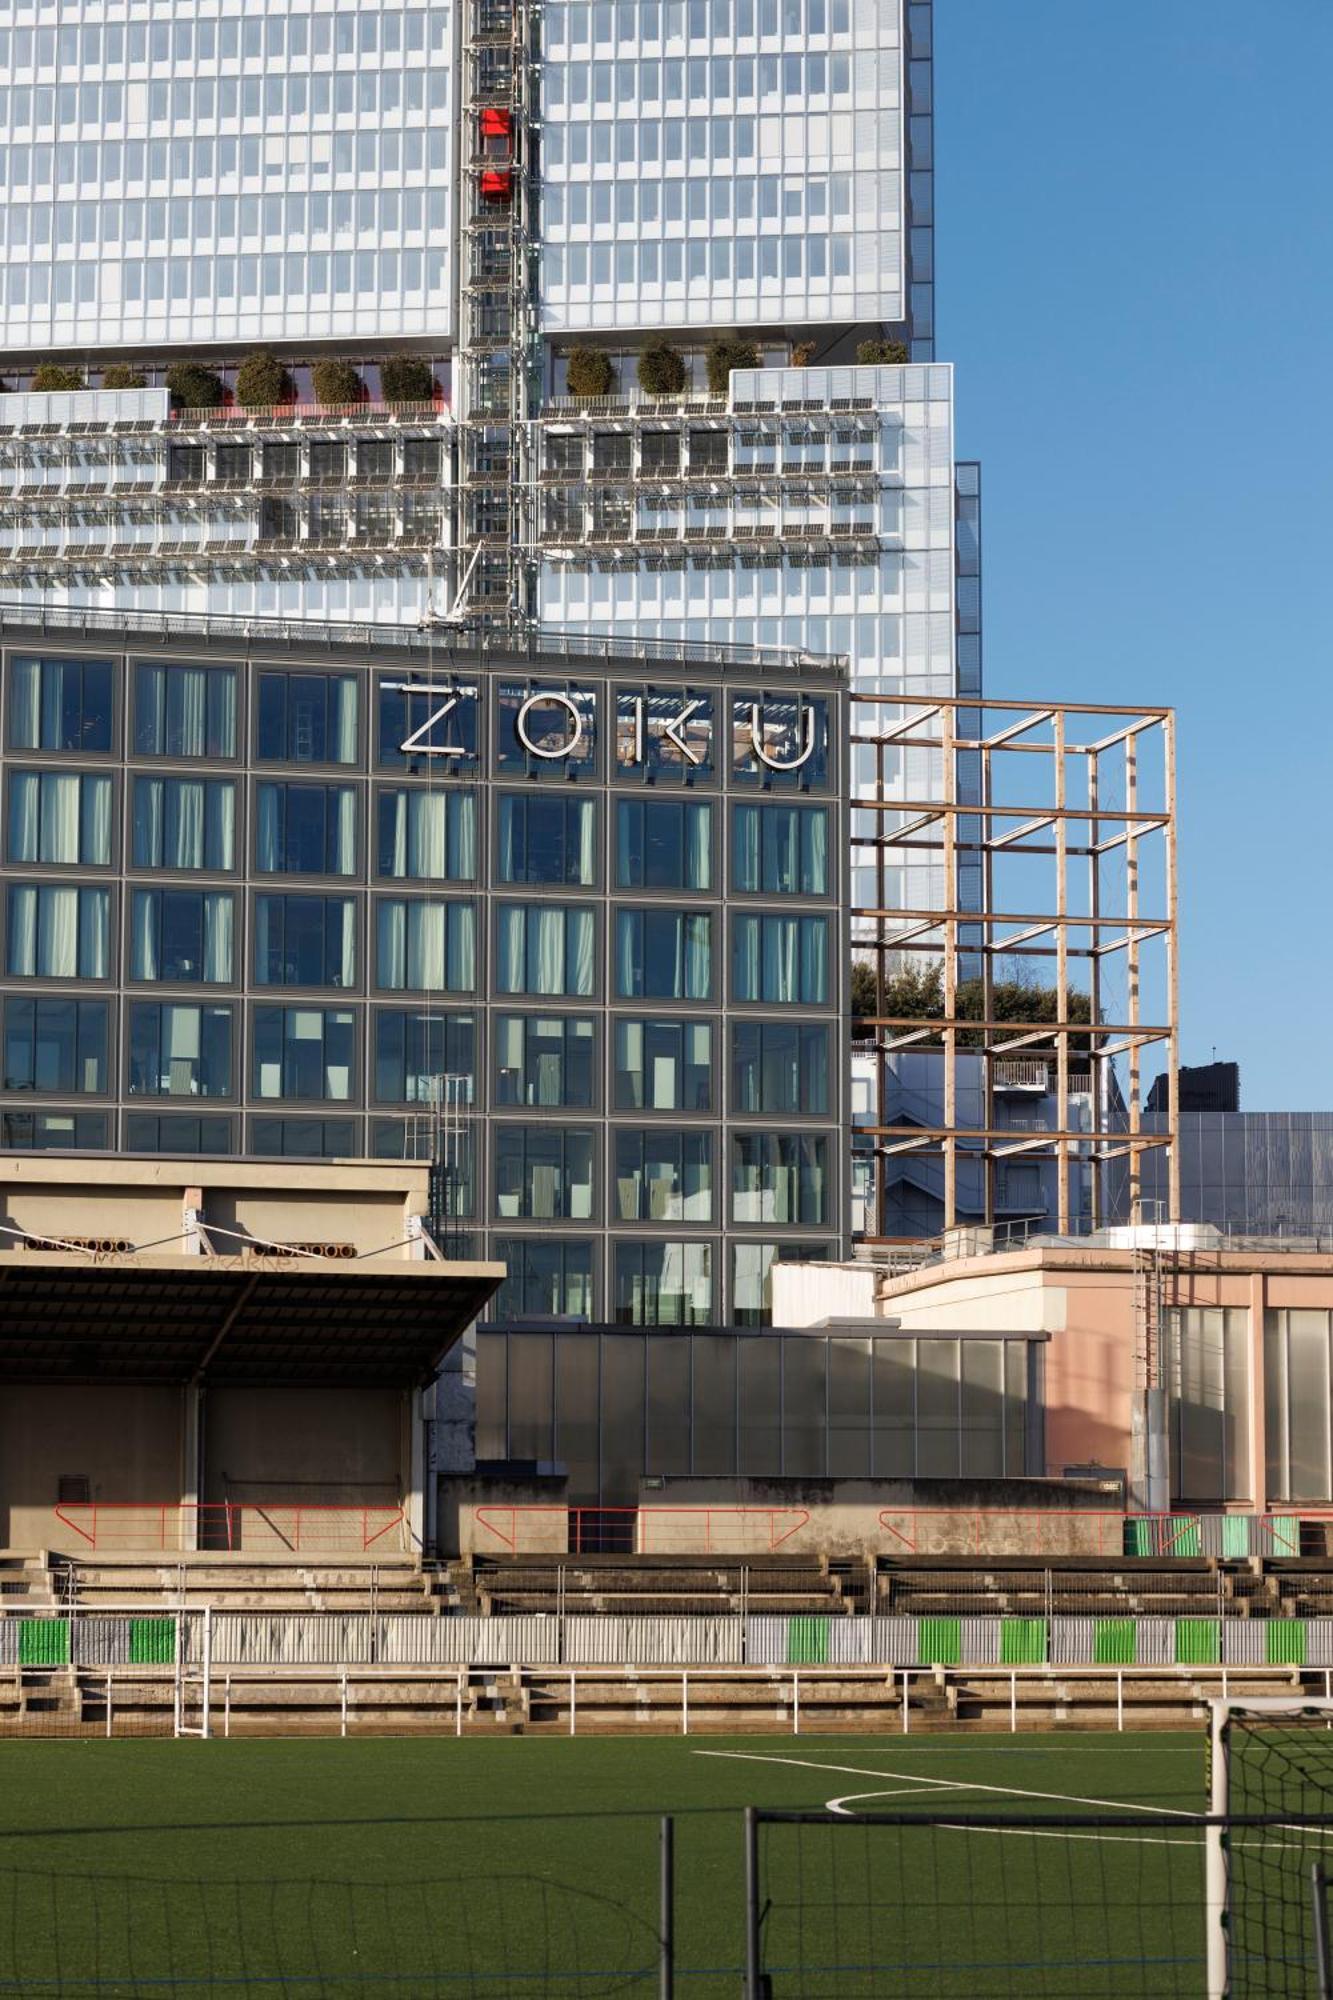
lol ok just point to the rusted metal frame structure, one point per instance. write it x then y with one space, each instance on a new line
967 822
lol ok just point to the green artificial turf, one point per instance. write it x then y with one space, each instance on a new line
530 1866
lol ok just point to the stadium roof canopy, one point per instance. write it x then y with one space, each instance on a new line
68 1317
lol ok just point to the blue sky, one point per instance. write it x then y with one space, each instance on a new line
1135 279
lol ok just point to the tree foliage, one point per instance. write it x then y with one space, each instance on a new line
406 378
916 993
262 380
54 375
335 382
723 356
120 375
589 372
887 353
661 370
193 387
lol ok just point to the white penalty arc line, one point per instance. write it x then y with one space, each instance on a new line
929 1785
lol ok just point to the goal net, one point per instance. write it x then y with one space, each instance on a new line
1271 1760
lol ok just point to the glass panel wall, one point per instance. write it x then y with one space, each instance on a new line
58 932
182 711
664 955
663 1176
304 1052
545 1172
305 829
664 844
545 948
56 1045
305 941
414 1049
663 1065
184 823
425 947
60 704
780 960
779 1068
663 1284
547 839
545 1059
779 1177
60 816
177 1050
427 836
780 850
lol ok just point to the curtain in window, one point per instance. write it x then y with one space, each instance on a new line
24 815
219 927
96 818
780 850
462 835
23 931
462 949
546 950
183 828
268 829
745 971
581 933
629 953
780 973
187 711
429 821
587 817
346 915
58 933
814 960
148 809
627 841
391 944
425 945
179 1063
58 816
630 1063
698 954
343 831
342 721
511 839
25 702
510 949
144 956
220 834
814 853
698 847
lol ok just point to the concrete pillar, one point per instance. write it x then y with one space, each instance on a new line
1258 1407
192 1458
415 1497
192 1214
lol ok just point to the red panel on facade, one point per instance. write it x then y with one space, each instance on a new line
497 184
496 124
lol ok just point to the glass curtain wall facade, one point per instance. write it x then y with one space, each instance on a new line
262 903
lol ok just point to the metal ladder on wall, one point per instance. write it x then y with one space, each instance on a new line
497 385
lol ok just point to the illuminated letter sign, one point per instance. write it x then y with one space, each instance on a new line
565 749
669 730
777 763
413 745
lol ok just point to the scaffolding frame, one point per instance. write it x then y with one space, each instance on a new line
1093 817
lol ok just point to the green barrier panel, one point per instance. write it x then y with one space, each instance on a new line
1182 1535
1286 1536
1235 1535
1285 1642
152 1642
1198 1642
44 1642
1138 1538
807 1642
1023 1642
940 1641
1113 1642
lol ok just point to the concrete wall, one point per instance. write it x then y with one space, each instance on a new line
125 1441
520 1517
307 1447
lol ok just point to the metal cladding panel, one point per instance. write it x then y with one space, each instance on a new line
661 1642
1072 1642
1155 1642
313 1639
1244 1642
101 1642
9 1642
1319 1642
851 1641
766 1642
896 1642
980 1642
499 1642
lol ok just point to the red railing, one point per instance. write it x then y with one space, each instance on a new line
233 1525
970 1530
629 1530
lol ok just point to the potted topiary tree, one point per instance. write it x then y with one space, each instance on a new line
262 381
588 372
886 353
54 375
336 382
120 375
661 370
723 356
191 386
406 378
802 353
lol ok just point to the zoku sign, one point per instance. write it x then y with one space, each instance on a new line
782 733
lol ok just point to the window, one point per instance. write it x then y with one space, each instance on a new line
663 844
421 458
780 741
663 955
374 458
779 1177
780 850
664 734
304 1052
544 1059
56 1045
428 836
564 453
307 718
176 1132
185 711
60 704
179 1051
440 724
185 463
282 464
306 1138
780 959
60 816
779 1069
415 1049
545 948
427 947
664 1284
663 1065
708 451
328 458
664 1176
233 463
550 1279
184 823
305 941
52 1131
546 731
544 1172
660 452
751 1276
305 830
547 839
58 932
182 934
